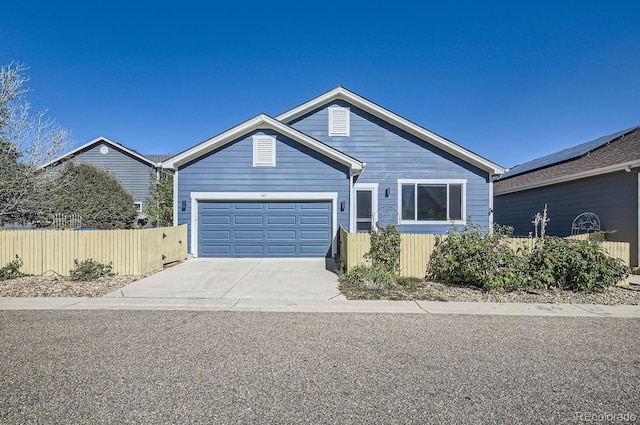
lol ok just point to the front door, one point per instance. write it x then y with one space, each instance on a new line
364 210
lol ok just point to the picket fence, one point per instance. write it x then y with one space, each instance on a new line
131 252
416 249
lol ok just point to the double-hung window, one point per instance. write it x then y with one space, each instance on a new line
432 201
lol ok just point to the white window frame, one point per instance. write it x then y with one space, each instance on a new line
416 182
261 138
333 110
139 206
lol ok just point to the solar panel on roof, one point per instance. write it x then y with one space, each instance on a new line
565 154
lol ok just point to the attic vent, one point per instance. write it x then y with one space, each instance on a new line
338 121
264 151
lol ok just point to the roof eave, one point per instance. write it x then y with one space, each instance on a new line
255 123
394 119
98 140
570 177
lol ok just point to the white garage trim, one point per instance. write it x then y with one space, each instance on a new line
263 197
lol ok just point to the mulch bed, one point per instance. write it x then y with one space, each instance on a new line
434 291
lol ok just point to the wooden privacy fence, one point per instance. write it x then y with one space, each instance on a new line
416 249
131 252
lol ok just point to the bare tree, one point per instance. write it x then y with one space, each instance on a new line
28 140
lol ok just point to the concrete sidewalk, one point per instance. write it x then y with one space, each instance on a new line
321 306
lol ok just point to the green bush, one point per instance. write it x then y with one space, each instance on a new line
12 270
89 270
483 259
577 265
385 249
476 257
369 277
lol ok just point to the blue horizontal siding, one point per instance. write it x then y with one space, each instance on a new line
230 169
391 154
612 197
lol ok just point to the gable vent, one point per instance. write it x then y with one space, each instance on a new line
338 121
264 151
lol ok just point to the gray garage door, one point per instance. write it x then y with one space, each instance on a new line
264 229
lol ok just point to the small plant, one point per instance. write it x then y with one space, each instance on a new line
410 283
89 270
12 270
369 277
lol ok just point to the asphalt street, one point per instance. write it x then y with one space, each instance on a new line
209 367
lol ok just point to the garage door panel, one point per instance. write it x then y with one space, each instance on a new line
212 219
254 235
259 229
248 250
310 235
281 250
242 206
248 219
314 220
281 219
281 235
312 251
213 235
315 206
216 251
279 206
215 206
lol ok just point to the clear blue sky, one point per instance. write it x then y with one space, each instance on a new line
508 80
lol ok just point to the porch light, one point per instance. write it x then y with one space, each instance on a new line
387 192
184 205
342 205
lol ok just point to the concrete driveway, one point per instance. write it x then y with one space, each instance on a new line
240 278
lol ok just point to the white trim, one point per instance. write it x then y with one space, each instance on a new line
261 138
570 177
335 113
262 196
262 121
394 119
175 198
416 182
490 204
353 225
105 141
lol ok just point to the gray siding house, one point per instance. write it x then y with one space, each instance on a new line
132 169
281 186
600 177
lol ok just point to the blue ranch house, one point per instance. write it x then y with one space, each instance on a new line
281 186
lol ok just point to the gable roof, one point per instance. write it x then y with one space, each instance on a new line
262 121
102 140
615 152
158 158
341 93
565 154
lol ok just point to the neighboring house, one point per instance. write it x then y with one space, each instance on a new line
281 187
132 169
599 177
